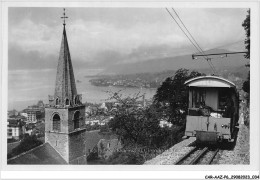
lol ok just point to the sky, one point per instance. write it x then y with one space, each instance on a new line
100 37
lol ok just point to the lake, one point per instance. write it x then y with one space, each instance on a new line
26 87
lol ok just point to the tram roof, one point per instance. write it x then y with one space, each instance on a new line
209 81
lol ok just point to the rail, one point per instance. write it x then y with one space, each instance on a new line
197 159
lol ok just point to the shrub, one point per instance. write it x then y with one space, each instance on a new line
125 158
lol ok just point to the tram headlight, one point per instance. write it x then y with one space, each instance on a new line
225 126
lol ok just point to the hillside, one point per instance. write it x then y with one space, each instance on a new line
236 74
174 63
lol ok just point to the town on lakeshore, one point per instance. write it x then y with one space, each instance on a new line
197 99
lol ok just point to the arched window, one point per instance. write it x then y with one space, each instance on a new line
76 119
57 101
56 122
75 100
67 102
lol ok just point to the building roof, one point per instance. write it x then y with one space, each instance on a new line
46 154
93 137
15 123
43 154
209 81
65 87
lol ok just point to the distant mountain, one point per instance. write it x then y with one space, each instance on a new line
174 63
236 74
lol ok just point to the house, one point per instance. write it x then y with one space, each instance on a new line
15 128
31 116
33 113
12 113
24 114
106 147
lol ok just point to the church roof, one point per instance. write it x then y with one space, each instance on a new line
43 154
65 87
46 154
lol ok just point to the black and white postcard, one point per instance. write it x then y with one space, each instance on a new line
166 87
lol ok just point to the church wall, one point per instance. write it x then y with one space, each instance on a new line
77 145
79 160
63 113
59 142
71 146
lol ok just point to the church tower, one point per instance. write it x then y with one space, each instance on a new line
65 115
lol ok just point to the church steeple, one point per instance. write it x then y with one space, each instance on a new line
65 88
65 114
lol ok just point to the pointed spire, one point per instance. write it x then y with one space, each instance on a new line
64 17
65 88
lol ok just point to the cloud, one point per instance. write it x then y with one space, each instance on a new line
20 59
100 37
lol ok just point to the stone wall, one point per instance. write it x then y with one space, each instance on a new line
70 143
59 142
77 144
63 113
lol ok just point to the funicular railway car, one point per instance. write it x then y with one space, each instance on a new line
213 109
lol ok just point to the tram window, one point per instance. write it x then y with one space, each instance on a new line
223 96
198 97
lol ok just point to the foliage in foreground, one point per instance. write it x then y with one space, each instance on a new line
139 126
172 96
125 158
246 25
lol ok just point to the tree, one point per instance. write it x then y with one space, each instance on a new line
172 96
246 84
246 25
135 124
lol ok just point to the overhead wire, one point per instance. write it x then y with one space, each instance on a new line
188 32
212 65
201 51
182 30
197 45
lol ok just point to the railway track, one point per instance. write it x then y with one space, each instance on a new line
198 156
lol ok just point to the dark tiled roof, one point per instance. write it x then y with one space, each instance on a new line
44 154
92 138
15 123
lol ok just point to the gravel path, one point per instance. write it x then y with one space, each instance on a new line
240 154
172 155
